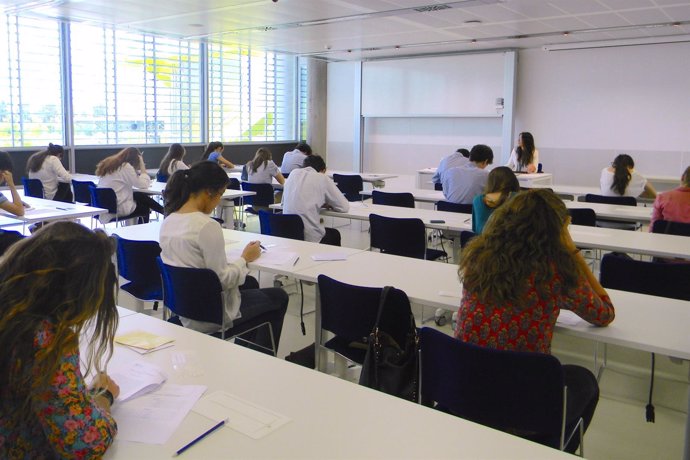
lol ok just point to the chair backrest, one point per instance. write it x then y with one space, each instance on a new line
81 191
194 293
161 177
349 185
32 187
263 197
454 207
8 238
671 228
349 311
403 200
438 186
104 198
234 184
136 261
402 237
619 271
518 392
619 200
583 216
282 225
465 237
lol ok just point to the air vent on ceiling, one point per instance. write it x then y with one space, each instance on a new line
430 8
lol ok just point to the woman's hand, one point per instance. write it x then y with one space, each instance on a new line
7 178
102 380
531 168
252 251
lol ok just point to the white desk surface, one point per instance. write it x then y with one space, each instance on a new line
522 177
48 210
7 221
330 417
615 211
366 177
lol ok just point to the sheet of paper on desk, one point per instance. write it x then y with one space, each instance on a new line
279 258
326 256
142 340
569 318
242 415
136 378
153 418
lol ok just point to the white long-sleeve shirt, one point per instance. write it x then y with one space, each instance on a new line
292 160
50 174
514 164
305 192
123 181
194 240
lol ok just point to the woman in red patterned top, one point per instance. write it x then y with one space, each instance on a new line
53 286
517 276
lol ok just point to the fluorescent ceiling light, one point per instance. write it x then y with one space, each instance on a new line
618 43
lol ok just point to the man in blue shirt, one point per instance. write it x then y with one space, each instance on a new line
455 159
461 184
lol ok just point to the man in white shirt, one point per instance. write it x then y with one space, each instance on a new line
295 158
458 158
306 191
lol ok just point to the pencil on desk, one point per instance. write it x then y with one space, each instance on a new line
200 437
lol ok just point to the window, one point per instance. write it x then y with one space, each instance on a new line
251 94
30 70
303 100
143 89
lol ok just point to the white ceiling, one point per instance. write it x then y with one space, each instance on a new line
361 29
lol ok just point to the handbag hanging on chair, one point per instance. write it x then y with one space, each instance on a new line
389 366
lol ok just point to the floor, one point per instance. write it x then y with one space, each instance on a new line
619 429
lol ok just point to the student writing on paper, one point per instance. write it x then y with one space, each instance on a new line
190 238
51 286
501 185
621 179
172 161
518 274
458 158
15 206
524 157
262 169
294 159
463 183
47 167
673 205
214 153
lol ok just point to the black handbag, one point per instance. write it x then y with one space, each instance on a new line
388 366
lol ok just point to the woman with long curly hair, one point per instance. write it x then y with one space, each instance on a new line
621 179
55 286
517 276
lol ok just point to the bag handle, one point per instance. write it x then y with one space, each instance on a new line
382 302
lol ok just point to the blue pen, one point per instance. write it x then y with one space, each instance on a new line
200 437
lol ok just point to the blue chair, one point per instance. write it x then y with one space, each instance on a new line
454 207
136 262
196 294
32 187
262 199
583 216
8 238
522 393
402 237
349 185
82 193
162 177
618 200
438 186
671 228
465 237
283 225
105 198
403 200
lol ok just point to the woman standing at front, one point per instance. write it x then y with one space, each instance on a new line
517 276
190 238
262 169
524 157
47 167
55 286
621 179
123 172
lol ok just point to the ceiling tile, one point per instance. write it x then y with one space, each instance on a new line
578 6
627 4
533 8
495 13
678 13
649 16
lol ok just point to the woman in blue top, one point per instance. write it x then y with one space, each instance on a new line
501 185
214 153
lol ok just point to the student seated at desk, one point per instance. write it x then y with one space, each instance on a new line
214 153
15 206
524 157
119 172
294 159
458 158
501 185
47 167
306 191
516 277
262 169
172 161
190 238
51 286
462 184
621 179
673 205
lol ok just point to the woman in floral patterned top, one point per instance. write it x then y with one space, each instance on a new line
517 276
53 286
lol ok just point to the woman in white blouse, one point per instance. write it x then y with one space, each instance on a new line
524 157
190 238
123 172
47 167
621 179
262 169
172 161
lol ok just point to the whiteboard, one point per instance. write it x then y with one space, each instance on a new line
447 86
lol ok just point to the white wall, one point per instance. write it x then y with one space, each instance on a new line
341 115
585 106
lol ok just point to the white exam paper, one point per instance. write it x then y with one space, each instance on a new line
136 378
568 318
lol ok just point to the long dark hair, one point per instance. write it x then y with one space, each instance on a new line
35 161
210 148
262 157
6 162
525 154
621 173
521 240
112 163
175 153
502 179
204 175
62 275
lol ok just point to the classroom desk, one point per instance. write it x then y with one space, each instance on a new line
376 180
330 417
526 180
7 221
48 210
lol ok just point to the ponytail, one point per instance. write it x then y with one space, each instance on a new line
204 175
621 173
